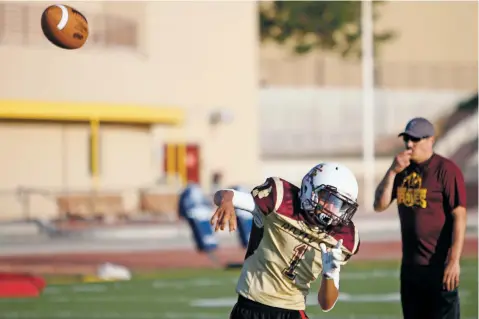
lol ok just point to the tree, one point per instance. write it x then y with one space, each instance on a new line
310 25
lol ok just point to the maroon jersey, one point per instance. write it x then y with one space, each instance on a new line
426 195
283 256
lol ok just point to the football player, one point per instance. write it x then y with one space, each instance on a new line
299 235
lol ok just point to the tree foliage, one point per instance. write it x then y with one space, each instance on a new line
310 25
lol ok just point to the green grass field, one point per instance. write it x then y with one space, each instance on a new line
368 290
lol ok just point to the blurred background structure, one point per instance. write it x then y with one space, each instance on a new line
214 93
153 101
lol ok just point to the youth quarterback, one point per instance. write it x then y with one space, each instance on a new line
298 236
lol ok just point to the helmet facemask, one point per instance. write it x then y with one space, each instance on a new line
328 208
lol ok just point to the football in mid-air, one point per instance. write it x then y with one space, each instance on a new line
64 26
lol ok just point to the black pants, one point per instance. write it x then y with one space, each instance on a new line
248 309
423 296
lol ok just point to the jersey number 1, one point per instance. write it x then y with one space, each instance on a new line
298 254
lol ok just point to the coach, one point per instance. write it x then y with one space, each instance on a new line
430 194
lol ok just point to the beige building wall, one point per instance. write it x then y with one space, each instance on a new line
199 56
431 32
53 158
210 64
435 48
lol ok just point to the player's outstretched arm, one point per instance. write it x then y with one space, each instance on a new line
259 203
227 200
329 290
225 213
239 199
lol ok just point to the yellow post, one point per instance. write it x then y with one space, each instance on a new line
170 163
181 163
94 152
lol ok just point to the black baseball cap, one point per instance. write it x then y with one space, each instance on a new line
418 127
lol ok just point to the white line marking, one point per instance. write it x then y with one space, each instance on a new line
367 298
186 284
89 288
312 299
370 274
361 275
52 290
115 299
213 302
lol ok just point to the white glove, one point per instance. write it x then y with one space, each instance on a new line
332 260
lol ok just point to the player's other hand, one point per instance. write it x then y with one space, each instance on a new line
401 161
225 213
332 259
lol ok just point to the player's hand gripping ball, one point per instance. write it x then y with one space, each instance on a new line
64 26
332 260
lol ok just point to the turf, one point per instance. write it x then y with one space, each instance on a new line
368 290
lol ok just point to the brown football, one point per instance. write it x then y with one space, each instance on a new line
64 26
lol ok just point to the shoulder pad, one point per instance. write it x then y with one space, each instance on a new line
350 236
267 195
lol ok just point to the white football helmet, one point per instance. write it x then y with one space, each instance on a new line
328 195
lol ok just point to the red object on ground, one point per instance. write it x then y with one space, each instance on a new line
20 285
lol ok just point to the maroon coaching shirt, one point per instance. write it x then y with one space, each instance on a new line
426 195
